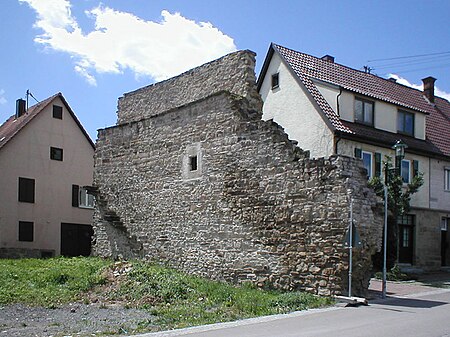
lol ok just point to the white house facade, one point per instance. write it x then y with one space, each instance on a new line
332 109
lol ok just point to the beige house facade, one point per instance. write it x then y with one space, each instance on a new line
332 109
46 161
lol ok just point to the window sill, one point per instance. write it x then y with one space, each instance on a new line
363 123
405 134
86 207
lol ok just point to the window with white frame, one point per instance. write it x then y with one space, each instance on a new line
405 122
86 199
367 161
364 111
444 223
405 171
447 179
81 197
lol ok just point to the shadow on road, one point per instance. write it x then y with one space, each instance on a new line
413 303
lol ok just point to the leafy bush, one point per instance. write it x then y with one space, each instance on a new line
394 274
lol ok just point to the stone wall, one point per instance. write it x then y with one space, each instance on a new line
233 73
256 209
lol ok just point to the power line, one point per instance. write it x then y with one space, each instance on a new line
411 56
413 62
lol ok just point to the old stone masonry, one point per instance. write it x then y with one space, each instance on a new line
192 177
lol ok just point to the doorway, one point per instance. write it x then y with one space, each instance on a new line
76 239
406 239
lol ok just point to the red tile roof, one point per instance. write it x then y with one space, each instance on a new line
13 125
309 68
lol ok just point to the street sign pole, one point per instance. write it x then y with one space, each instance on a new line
350 247
383 285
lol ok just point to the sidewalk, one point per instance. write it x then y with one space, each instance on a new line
425 283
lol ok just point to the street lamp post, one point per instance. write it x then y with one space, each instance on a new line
399 148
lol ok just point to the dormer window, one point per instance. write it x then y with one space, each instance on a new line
364 111
405 123
275 81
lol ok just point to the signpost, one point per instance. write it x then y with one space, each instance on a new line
351 240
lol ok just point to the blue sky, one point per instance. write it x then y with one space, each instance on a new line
95 51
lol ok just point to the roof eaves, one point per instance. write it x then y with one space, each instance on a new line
265 66
327 113
27 118
60 95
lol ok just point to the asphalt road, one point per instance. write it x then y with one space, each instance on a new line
422 314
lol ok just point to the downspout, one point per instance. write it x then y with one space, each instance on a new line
337 102
337 140
429 182
339 115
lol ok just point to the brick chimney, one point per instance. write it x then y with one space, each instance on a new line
328 58
20 107
428 88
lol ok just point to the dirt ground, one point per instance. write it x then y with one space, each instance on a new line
101 317
75 319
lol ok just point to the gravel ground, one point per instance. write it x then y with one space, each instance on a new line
73 319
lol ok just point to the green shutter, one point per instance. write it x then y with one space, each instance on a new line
358 153
377 164
415 168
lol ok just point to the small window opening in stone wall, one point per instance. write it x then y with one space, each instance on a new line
193 163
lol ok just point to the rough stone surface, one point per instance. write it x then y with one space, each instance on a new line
256 208
233 73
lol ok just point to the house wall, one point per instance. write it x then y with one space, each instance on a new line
385 116
257 209
427 252
290 107
422 197
429 204
439 198
28 155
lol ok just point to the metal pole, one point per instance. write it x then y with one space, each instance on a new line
350 268
383 286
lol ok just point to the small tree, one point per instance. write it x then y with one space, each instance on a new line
399 198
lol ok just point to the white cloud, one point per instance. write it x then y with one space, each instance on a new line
404 81
2 99
123 41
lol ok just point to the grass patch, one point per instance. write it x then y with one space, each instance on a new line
175 300
178 300
48 282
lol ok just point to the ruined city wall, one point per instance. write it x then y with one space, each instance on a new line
255 209
233 73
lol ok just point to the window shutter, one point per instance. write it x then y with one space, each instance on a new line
377 164
415 168
75 195
358 153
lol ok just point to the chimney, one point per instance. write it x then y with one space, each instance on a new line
328 58
20 107
428 88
